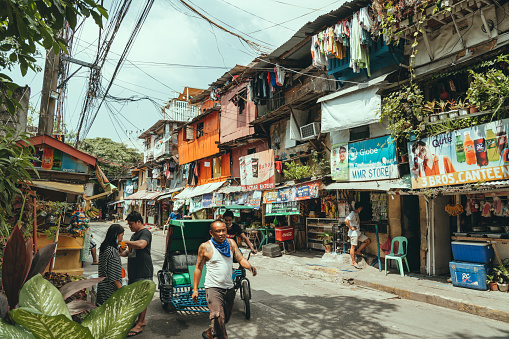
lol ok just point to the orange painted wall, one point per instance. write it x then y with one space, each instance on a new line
225 165
207 104
203 147
205 175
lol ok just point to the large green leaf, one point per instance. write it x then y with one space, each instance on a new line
12 332
42 296
114 318
49 327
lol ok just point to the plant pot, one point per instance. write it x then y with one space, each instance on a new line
433 118
328 248
404 158
503 287
463 111
473 109
493 286
453 114
443 115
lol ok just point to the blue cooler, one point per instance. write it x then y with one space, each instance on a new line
478 252
467 274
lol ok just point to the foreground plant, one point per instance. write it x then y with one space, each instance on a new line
42 313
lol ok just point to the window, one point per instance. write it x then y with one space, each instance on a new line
199 130
251 151
242 98
359 133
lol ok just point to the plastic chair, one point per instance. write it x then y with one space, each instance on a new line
402 252
165 228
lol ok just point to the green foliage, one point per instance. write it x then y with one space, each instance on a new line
321 164
115 152
500 275
295 171
44 313
23 24
327 238
15 160
489 90
403 110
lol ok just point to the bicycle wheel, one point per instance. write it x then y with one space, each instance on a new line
246 295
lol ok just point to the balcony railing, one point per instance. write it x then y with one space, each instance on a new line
179 110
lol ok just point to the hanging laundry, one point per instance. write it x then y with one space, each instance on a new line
280 75
316 54
359 53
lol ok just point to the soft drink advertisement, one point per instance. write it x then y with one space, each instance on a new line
468 155
257 171
373 159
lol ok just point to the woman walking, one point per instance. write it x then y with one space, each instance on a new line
110 265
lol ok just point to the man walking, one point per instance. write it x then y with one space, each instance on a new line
139 260
218 253
353 222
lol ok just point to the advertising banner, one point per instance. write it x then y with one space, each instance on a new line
196 204
373 159
269 196
284 208
257 171
254 199
307 191
217 199
468 155
206 201
339 161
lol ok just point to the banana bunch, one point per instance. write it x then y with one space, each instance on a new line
92 213
454 210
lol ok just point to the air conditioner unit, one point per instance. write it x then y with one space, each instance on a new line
310 131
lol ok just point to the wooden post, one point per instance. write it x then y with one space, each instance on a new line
35 225
52 262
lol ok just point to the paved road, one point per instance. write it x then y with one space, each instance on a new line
285 306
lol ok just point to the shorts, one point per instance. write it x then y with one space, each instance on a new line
354 240
92 244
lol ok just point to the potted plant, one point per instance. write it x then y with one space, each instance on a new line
501 277
492 285
462 105
453 113
327 239
443 109
430 108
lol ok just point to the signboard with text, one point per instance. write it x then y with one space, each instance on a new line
468 155
284 208
372 159
257 171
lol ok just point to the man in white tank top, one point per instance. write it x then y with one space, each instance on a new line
218 253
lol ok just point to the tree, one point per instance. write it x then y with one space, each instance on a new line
115 157
25 23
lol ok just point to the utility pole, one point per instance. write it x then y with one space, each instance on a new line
49 86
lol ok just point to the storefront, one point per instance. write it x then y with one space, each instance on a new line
465 192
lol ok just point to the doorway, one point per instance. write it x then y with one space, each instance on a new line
411 229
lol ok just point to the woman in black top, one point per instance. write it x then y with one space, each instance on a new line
110 265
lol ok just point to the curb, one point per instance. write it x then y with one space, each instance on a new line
453 304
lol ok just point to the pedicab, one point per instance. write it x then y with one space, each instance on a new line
176 279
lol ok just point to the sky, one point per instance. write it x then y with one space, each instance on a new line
174 48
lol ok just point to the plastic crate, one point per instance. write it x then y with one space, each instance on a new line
469 275
284 233
478 252
165 286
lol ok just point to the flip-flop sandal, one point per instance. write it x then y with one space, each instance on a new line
132 333
357 267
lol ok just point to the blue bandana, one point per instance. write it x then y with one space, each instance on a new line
223 248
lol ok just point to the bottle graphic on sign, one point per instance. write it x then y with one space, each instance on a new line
480 151
468 146
501 139
460 149
491 146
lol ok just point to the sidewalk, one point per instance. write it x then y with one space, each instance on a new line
431 290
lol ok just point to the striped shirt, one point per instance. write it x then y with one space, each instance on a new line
110 266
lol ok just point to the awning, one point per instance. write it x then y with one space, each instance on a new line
167 194
190 192
381 185
76 189
143 195
352 107
229 189
235 207
115 202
